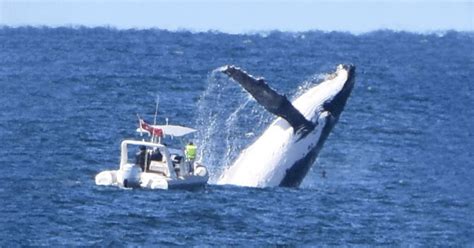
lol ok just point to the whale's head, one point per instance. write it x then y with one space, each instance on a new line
329 96
335 105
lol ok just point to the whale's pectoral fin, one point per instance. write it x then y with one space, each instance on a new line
272 101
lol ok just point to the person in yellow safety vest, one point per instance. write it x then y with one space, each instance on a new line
190 152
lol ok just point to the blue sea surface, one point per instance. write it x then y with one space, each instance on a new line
397 170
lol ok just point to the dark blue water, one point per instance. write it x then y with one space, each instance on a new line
398 166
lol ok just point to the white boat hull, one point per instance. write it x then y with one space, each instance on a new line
132 177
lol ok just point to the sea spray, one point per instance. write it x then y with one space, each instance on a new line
224 130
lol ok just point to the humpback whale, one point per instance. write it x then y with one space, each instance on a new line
284 153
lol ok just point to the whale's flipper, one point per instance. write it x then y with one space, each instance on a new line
270 99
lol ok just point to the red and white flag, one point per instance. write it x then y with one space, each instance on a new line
153 130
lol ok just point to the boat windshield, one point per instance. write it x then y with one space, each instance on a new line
133 152
172 142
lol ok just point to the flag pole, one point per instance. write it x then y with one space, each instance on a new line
140 125
156 114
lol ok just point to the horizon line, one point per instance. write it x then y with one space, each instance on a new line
249 32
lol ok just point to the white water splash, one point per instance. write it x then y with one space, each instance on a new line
228 120
225 115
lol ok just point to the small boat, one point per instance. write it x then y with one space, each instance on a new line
160 166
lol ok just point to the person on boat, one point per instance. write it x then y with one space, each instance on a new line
156 155
141 157
190 152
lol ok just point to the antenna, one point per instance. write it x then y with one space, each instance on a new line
156 108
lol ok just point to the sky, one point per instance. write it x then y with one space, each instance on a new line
243 16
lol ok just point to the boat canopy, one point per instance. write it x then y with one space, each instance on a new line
171 130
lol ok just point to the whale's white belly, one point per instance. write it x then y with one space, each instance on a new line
265 162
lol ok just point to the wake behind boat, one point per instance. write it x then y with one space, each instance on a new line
156 166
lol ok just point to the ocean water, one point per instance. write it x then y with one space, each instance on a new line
397 170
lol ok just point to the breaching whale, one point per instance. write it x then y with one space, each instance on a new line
286 150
